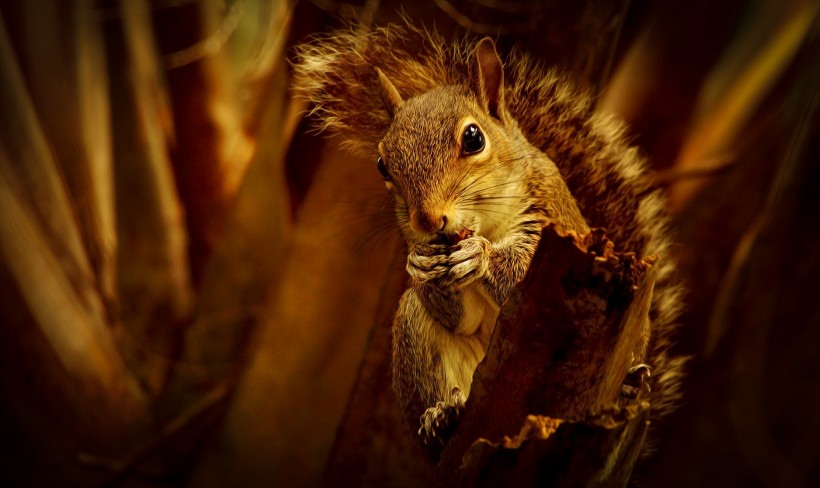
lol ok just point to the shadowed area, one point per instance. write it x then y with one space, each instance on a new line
196 289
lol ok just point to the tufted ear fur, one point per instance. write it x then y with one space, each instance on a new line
487 77
390 96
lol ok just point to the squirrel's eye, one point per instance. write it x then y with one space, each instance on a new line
472 141
383 169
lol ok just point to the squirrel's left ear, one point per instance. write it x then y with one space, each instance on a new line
390 96
487 77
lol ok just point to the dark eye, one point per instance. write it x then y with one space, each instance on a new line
472 141
383 169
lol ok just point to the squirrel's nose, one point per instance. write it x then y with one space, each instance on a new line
427 222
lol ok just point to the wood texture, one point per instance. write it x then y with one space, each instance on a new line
563 343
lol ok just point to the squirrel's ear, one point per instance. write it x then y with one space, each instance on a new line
487 77
390 96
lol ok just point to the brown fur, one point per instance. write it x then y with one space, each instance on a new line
540 111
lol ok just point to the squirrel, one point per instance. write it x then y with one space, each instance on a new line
480 155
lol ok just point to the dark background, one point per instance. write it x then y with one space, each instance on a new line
196 290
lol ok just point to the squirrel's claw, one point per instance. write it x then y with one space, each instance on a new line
636 381
469 261
426 262
438 423
466 262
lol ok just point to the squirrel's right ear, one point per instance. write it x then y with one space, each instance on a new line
390 96
487 77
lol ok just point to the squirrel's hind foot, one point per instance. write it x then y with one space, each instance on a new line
438 423
636 381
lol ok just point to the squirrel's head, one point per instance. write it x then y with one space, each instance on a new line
446 155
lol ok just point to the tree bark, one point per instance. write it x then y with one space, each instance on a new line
562 347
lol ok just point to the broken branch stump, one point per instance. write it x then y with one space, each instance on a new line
562 347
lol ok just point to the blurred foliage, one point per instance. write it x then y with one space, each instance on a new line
196 290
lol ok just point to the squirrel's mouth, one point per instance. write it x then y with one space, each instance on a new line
452 239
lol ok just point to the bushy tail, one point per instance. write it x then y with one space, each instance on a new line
607 176
336 73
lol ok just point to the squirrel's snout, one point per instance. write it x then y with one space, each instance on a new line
425 222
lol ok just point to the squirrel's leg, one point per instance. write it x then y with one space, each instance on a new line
442 329
438 423
636 381
432 362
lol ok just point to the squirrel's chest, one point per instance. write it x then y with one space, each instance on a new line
479 312
465 313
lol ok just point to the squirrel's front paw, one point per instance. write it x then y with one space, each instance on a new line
438 423
427 262
469 260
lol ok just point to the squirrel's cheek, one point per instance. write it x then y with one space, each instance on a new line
397 197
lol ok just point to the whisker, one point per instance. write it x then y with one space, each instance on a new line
487 210
509 158
502 205
461 177
480 198
476 180
490 187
